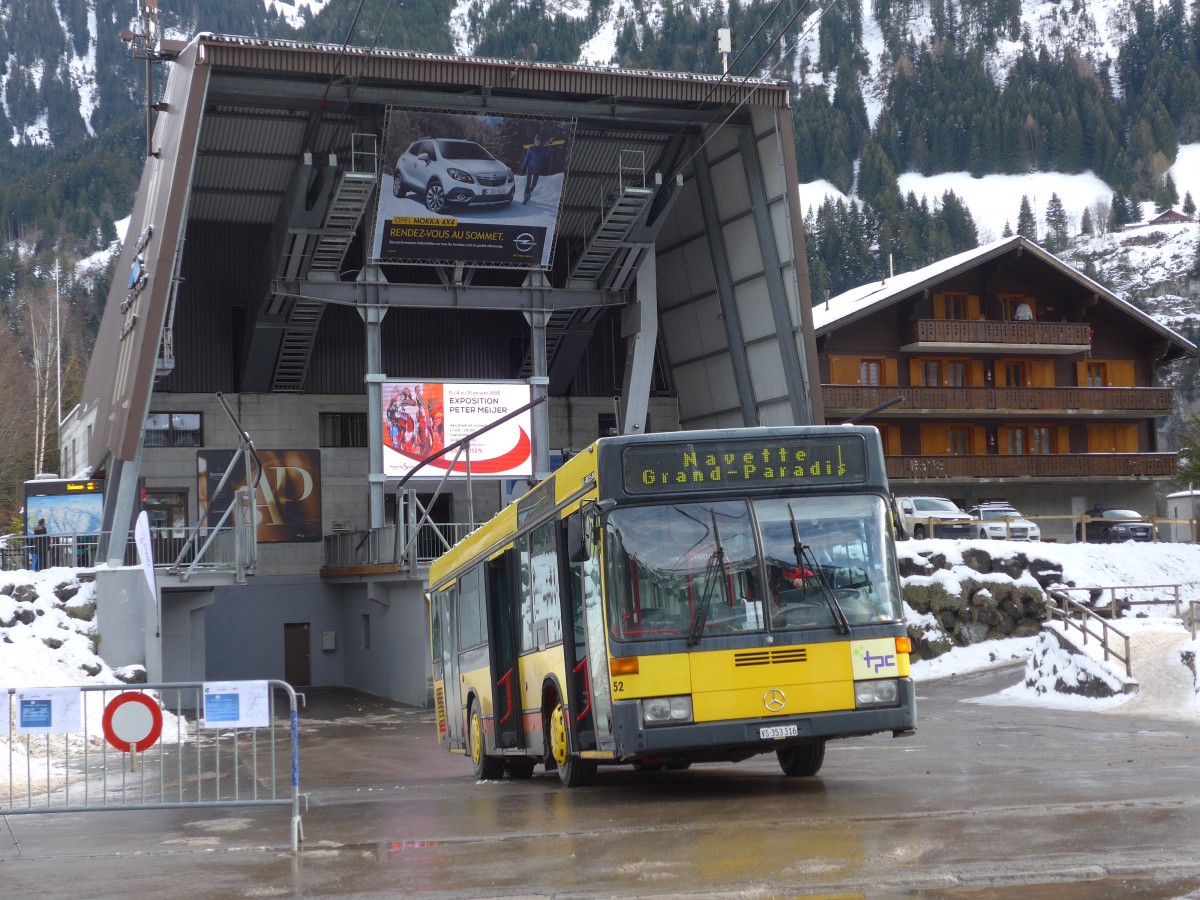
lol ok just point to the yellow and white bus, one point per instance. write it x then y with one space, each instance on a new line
665 599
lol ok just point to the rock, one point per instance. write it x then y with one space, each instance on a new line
66 591
52 643
968 633
84 611
26 616
7 589
9 622
25 593
1045 572
977 560
131 674
1013 566
909 566
92 669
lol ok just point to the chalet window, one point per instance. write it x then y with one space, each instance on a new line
960 440
343 429
956 374
1106 373
1012 307
956 306
1019 440
173 430
1014 375
869 371
929 373
1042 440
1016 441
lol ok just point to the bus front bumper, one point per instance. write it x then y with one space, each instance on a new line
737 739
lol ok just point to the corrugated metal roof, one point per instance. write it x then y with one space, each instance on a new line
407 66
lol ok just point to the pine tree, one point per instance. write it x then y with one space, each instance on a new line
1008 232
1026 223
1189 205
1085 223
1057 226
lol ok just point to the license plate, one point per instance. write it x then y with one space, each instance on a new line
498 190
773 732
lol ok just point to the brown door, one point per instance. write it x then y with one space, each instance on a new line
297 655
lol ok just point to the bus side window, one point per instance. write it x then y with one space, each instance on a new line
436 625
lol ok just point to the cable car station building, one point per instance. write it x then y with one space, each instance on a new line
337 257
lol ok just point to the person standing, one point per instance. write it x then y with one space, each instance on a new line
40 545
535 164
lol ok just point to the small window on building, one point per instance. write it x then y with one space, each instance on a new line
167 509
173 430
366 631
869 371
344 429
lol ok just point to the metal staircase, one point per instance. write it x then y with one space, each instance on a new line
328 252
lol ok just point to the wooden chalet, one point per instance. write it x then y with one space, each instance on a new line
1004 373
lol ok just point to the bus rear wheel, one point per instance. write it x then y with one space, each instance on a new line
487 768
802 759
572 771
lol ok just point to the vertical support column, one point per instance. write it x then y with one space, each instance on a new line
720 260
639 326
540 382
791 354
372 316
123 478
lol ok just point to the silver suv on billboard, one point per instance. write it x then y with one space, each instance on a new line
446 171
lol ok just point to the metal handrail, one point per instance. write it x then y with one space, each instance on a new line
1086 615
1114 605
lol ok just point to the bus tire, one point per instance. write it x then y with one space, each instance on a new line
519 767
487 768
572 771
802 759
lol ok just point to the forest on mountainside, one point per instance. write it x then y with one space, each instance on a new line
963 86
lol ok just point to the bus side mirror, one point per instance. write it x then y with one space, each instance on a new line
579 538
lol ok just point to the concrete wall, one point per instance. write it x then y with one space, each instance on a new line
396 664
127 619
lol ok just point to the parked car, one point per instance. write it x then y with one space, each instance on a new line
450 171
1111 526
948 520
1001 521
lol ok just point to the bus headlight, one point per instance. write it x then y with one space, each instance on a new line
666 710
885 692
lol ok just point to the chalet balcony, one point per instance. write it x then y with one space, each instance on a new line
1067 466
975 335
1123 402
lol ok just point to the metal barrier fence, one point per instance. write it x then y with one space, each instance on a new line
80 551
150 746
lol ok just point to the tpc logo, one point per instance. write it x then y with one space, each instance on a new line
878 662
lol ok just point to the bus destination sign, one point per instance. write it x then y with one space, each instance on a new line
733 464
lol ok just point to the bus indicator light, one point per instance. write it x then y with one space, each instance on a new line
903 645
623 665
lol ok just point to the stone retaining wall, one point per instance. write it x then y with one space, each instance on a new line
979 599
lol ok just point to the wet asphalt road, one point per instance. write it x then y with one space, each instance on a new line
986 801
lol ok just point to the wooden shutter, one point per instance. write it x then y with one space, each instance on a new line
1121 373
976 377
1063 440
891 371
1081 374
891 440
1101 439
1043 372
973 309
978 440
1126 438
935 440
939 306
914 372
843 370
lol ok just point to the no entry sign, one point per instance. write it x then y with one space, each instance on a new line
132 722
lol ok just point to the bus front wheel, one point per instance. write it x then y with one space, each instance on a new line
802 759
572 771
487 768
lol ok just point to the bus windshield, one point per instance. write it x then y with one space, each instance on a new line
704 568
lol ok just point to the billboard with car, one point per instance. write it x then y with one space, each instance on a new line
422 417
473 188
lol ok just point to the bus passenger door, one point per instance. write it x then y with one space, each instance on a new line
454 710
503 608
600 687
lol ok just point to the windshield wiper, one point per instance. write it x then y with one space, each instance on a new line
714 573
804 555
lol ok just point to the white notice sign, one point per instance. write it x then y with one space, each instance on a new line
237 704
48 710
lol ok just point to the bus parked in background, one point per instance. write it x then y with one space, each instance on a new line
667 599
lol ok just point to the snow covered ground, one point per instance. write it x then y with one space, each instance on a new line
29 657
